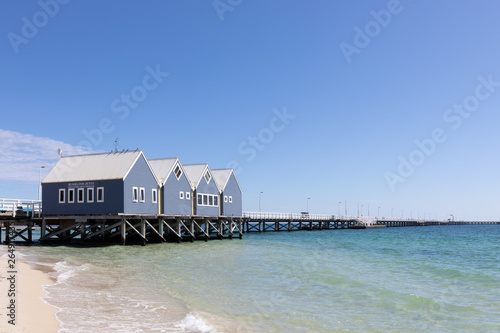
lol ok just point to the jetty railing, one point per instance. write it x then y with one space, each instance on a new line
20 207
295 216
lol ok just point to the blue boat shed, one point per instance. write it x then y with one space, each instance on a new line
175 189
230 192
205 192
105 183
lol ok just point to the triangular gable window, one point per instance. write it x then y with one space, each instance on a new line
207 177
177 172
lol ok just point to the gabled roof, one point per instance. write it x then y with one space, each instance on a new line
78 168
221 177
163 167
195 172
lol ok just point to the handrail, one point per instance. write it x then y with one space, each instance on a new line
294 216
14 206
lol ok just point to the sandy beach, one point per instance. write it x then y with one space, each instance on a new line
32 314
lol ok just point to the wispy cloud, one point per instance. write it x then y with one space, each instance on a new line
22 155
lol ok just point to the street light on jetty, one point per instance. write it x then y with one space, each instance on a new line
339 206
368 210
345 208
260 200
40 180
307 205
362 210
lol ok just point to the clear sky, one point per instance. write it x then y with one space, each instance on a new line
390 104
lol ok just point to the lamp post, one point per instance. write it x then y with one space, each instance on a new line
368 210
260 200
362 210
345 203
339 206
307 205
40 180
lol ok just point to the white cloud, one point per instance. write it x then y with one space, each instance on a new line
22 155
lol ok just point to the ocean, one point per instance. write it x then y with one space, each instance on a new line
411 279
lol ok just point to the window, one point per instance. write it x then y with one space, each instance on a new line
100 194
90 194
135 194
62 195
154 196
80 195
177 172
210 200
188 196
207 177
225 198
142 193
181 195
200 199
205 199
230 199
216 200
71 195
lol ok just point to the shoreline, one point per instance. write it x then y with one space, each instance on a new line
32 312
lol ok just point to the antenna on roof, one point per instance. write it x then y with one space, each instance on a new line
59 152
116 144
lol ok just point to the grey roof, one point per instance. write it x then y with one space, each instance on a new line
163 167
114 165
222 176
194 173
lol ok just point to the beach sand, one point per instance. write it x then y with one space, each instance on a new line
32 314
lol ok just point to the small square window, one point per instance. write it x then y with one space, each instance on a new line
100 194
188 196
181 195
90 194
80 195
230 199
225 198
142 193
62 195
71 195
177 172
154 196
135 194
207 177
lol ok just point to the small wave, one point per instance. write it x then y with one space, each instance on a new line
63 271
194 323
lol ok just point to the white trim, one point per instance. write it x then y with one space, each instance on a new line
230 199
188 196
177 165
63 191
181 195
135 194
89 198
206 198
154 195
71 195
225 198
216 200
82 191
100 188
207 173
142 194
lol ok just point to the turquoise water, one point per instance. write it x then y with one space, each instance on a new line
414 279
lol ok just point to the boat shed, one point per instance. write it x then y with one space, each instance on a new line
205 192
175 191
105 183
230 192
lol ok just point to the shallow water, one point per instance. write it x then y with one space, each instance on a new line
413 279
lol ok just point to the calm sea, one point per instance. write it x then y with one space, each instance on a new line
414 279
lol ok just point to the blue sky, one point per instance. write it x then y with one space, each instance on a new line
390 104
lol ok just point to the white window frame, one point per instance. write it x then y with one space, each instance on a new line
188 196
177 166
181 195
230 199
63 192
205 199
135 194
154 195
90 190
71 193
100 189
216 200
200 199
82 191
210 200
225 198
142 194
207 175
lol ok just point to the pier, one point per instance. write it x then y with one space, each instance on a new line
23 221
